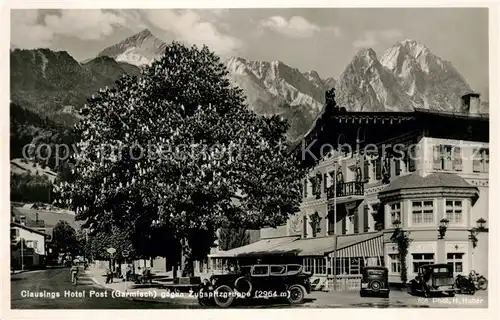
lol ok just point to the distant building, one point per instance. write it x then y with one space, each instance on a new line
28 247
43 221
424 172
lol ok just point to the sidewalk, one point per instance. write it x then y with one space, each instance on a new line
131 291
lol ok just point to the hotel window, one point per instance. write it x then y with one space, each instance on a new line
347 266
395 263
455 259
422 212
366 226
454 211
395 212
481 162
325 182
410 159
366 171
447 158
421 259
442 157
320 266
397 166
356 221
308 264
378 169
342 266
355 266
305 188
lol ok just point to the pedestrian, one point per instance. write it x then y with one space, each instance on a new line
128 272
109 276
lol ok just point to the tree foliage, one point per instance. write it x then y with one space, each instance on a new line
207 160
64 238
30 188
230 238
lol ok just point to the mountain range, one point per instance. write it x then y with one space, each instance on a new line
407 75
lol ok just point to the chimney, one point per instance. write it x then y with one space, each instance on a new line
471 102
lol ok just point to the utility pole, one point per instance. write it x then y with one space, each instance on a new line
22 254
335 237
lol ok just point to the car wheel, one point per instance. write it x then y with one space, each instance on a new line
296 294
243 286
223 296
375 285
482 283
203 299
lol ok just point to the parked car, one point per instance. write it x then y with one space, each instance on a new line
434 279
374 281
260 281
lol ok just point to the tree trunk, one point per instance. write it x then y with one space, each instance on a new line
187 259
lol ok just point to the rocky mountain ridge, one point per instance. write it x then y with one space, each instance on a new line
407 75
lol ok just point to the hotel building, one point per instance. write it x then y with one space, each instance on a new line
423 172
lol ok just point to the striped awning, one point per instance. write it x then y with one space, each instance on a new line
373 247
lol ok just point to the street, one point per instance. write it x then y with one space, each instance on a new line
52 289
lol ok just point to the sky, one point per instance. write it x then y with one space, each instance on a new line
320 39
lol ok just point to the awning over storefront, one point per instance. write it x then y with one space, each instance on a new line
360 245
356 245
264 246
310 246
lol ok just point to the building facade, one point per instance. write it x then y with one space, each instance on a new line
422 172
28 247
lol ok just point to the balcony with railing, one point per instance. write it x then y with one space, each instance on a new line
345 189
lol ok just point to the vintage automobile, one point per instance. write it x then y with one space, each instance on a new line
374 281
259 281
434 279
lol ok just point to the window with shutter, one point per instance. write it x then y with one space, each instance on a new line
486 159
437 158
447 157
481 160
325 182
378 169
366 227
305 188
304 226
366 171
356 221
477 161
412 159
397 166
387 166
457 159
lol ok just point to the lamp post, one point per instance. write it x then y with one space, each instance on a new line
475 231
443 226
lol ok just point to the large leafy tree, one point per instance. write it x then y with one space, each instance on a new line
64 238
178 150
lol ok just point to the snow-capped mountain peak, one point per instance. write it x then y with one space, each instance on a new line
139 49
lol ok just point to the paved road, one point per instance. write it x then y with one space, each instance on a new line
58 292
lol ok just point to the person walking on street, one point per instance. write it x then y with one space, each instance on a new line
74 273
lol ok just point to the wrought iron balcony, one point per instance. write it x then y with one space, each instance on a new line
344 189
